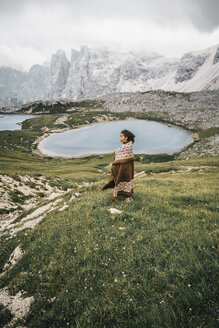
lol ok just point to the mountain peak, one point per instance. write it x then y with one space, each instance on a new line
60 53
94 72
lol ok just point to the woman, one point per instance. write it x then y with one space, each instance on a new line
122 171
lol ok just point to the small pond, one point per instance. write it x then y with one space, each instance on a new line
13 121
151 138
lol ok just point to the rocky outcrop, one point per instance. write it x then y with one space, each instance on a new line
188 66
14 258
96 72
216 57
17 305
37 85
10 85
59 73
198 109
17 87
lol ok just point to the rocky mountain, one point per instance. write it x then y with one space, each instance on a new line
100 71
59 74
196 71
97 72
18 87
149 101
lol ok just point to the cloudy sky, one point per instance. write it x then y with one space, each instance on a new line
32 30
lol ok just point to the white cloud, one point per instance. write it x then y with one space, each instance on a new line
31 31
21 58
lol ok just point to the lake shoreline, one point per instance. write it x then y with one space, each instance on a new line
40 152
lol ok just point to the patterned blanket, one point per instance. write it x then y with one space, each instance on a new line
122 172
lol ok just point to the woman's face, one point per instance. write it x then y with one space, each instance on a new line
123 138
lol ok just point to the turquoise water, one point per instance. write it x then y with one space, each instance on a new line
151 138
12 121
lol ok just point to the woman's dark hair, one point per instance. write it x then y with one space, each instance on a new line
130 136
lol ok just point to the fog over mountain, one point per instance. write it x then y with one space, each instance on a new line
93 72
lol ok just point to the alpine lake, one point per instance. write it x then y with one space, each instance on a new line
100 138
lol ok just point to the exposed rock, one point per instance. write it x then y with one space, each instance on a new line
63 207
206 147
72 198
195 137
31 191
96 72
18 306
195 109
61 120
114 211
216 57
188 66
14 258
54 195
59 73
31 224
18 87
140 174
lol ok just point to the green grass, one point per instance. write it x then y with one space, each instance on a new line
209 132
17 140
37 123
60 107
80 117
17 196
154 265
5 316
77 169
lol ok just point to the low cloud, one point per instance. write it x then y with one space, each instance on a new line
203 14
31 31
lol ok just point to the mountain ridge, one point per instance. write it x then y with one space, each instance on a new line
96 72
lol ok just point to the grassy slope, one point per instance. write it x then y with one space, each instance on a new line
153 265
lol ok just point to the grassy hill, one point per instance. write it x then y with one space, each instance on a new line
151 265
